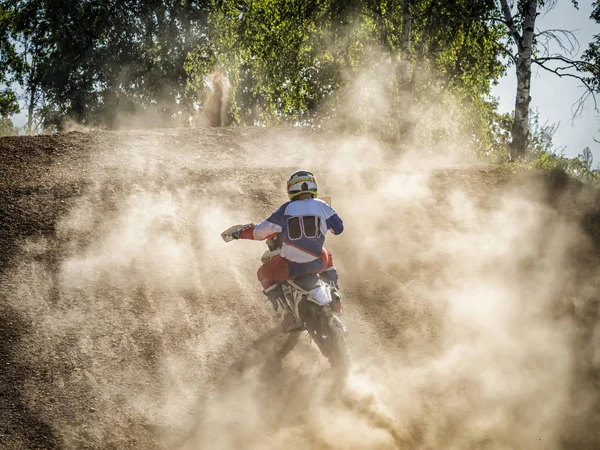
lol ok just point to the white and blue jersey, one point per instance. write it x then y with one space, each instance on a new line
303 225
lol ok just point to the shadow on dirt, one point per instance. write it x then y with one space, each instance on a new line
259 397
20 426
267 351
256 376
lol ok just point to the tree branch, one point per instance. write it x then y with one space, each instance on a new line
560 71
507 52
550 5
554 35
510 23
577 64
484 19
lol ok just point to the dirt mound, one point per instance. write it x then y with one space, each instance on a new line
125 322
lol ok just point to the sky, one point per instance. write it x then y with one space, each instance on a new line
553 96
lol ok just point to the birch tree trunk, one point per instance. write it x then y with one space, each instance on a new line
524 41
520 128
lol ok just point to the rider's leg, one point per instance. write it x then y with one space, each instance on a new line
275 269
275 296
269 274
330 276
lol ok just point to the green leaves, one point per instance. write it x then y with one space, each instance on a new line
8 103
376 66
98 61
269 52
295 61
10 63
591 57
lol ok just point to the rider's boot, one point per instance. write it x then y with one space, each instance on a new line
330 276
275 296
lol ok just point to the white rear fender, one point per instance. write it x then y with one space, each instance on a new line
320 295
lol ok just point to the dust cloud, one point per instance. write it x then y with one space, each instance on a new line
459 289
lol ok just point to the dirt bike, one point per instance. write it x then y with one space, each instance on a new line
310 299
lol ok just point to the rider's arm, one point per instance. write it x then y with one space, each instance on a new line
335 224
267 228
333 221
259 232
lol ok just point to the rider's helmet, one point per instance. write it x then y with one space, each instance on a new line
301 182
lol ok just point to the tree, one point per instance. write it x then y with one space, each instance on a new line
97 61
524 43
9 71
27 36
296 61
8 107
591 57
274 57
532 47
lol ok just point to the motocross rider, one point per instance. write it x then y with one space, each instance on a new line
301 224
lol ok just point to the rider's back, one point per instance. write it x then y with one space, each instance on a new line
304 224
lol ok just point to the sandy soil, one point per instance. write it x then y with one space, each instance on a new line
126 323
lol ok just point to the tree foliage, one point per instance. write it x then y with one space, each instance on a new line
394 68
96 61
9 67
298 61
591 57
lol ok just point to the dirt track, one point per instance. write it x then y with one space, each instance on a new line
126 323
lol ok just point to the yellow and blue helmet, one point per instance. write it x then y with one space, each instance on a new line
302 182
